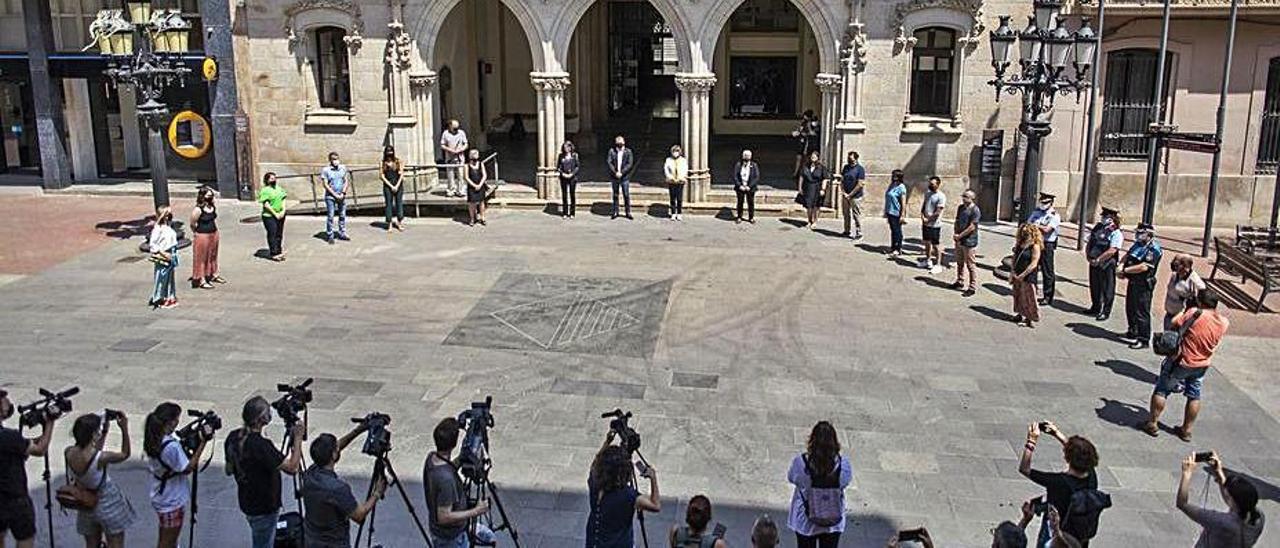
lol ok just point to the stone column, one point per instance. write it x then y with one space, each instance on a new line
853 64
420 150
130 130
398 59
55 165
695 130
830 86
550 88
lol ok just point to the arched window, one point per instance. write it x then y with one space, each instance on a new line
1128 97
1269 143
333 69
933 71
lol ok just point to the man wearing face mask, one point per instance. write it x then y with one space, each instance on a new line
17 513
1103 253
621 164
256 465
1046 218
1139 268
336 179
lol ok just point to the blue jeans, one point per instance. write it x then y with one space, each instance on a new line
895 232
1042 540
1173 374
483 535
394 203
623 186
165 286
332 206
263 529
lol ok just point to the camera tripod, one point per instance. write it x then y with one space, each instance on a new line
484 489
195 491
644 534
48 493
297 476
381 470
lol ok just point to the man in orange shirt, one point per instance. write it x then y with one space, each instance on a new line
1185 370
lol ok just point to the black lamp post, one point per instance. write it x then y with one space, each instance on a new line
1045 47
150 60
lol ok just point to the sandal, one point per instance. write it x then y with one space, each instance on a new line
1182 434
206 285
1151 429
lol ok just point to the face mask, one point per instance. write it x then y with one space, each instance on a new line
333 163
1144 237
1043 207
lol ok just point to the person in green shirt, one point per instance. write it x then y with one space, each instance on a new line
272 199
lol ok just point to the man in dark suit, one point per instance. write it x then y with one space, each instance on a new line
746 179
621 164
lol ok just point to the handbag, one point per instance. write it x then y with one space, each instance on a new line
823 500
800 198
73 496
1166 343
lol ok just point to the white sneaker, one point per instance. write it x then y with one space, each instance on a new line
935 269
923 262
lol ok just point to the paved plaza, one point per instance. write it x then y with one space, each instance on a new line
727 342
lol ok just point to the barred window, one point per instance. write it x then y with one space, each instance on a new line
1269 143
932 71
333 68
1128 98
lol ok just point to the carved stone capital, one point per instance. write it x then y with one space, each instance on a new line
972 8
695 83
354 20
424 79
549 81
828 83
399 52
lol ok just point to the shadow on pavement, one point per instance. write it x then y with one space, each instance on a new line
1128 369
999 289
1122 414
126 229
1094 332
934 282
993 313
1266 490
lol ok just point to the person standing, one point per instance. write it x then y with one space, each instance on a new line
1240 526
204 249
170 465
676 171
852 187
255 464
1184 285
1105 241
163 245
966 242
454 145
621 163
1081 458
807 135
1026 260
567 165
330 505
1139 269
1202 328
87 461
813 185
819 469
746 180
895 203
1046 218
695 533
477 187
17 512
447 510
614 499
393 188
272 197
931 225
336 179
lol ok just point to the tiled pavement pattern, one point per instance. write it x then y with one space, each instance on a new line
765 329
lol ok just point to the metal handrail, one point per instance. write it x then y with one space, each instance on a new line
413 173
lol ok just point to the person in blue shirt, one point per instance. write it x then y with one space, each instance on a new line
337 182
1103 251
895 203
1046 218
1139 268
852 187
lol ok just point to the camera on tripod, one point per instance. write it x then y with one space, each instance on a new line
473 457
377 442
628 438
200 430
50 406
294 401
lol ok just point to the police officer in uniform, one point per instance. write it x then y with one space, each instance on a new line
1046 218
1139 268
1103 252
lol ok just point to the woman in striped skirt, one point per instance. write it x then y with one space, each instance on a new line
87 464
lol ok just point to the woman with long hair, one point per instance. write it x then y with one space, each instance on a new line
820 476
477 178
696 532
1026 261
1241 525
272 197
87 461
204 248
393 188
813 184
614 500
567 165
169 465
163 244
676 171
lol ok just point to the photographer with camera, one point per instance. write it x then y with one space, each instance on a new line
169 464
17 512
328 499
1241 525
87 462
447 512
1073 493
694 533
256 464
614 499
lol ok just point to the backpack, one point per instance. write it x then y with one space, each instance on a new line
1083 512
824 499
169 472
686 539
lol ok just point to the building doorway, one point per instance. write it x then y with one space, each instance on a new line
19 150
642 63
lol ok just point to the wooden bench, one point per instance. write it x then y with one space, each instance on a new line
1232 259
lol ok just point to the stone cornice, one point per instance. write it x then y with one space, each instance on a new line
828 83
549 81
425 79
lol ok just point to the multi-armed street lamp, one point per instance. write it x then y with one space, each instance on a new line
1045 48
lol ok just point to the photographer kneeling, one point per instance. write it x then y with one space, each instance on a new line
256 464
328 499
1241 525
17 513
614 500
447 512
169 465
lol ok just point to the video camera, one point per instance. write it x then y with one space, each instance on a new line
200 430
378 441
627 436
294 401
50 406
473 457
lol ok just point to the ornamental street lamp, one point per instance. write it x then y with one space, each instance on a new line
1045 48
145 52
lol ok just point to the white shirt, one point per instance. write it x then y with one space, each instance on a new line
676 170
1179 290
1047 218
745 173
453 140
162 238
177 490
798 520
934 202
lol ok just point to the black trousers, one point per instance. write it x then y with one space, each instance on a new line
748 196
1048 283
568 196
676 193
1137 308
895 232
824 540
1102 287
275 235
